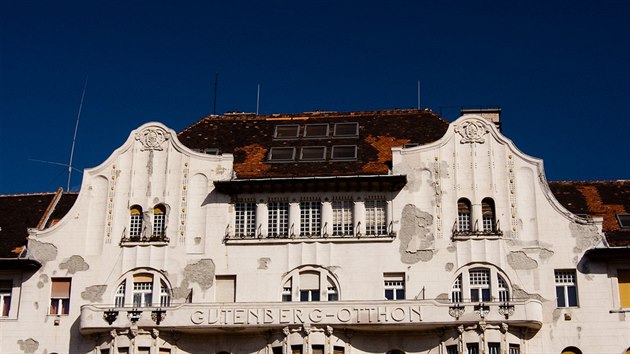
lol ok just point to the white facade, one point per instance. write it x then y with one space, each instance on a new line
473 255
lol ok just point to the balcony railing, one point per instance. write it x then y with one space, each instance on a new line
475 232
143 238
411 314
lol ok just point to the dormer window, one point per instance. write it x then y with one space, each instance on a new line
624 220
311 153
344 152
316 130
289 131
282 154
346 129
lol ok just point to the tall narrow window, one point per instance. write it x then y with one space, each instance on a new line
451 349
394 286
135 222
623 279
309 286
245 222
463 215
278 213
514 349
342 217
6 286
60 296
494 348
119 298
331 288
472 348
456 290
566 288
310 218
479 285
375 221
142 290
488 215
504 292
165 295
286 291
159 220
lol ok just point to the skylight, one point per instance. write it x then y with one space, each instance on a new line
282 154
346 129
289 131
315 130
313 153
344 152
624 220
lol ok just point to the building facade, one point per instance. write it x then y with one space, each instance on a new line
322 233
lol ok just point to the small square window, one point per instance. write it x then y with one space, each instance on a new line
394 286
344 152
624 220
287 131
346 129
282 154
316 130
566 288
313 153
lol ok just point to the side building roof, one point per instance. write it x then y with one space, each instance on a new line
19 212
250 139
605 199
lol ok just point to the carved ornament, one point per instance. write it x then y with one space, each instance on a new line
152 138
472 131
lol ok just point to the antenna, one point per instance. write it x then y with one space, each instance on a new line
216 83
418 94
76 128
258 99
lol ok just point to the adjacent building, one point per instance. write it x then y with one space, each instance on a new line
324 233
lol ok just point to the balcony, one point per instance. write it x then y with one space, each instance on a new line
159 239
466 233
256 317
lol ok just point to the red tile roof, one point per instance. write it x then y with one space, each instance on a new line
250 137
20 212
598 199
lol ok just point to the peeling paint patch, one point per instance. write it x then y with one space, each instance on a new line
182 291
586 236
201 273
519 260
263 263
94 293
545 254
43 279
522 294
28 346
449 266
74 264
42 251
416 240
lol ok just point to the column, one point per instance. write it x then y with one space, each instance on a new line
261 218
327 218
359 218
294 218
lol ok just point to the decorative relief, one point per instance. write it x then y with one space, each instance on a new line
152 138
472 131
184 201
513 197
109 219
438 197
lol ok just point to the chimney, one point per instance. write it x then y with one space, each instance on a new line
492 115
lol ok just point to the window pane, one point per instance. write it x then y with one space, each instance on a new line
281 154
623 278
572 292
346 129
287 131
313 153
560 296
389 294
344 152
316 130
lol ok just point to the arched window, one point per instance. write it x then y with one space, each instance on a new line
310 283
571 350
135 221
480 284
489 220
463 215
143 289
159 220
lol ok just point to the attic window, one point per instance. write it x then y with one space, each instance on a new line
346 129
344 152
287 131
624 220
282 154
316 130
313 153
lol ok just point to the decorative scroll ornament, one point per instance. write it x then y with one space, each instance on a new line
472 132
456 311
152 138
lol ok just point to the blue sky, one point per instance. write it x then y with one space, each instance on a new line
559 70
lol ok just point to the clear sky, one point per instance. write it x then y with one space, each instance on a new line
560 70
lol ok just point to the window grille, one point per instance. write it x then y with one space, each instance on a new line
245 221
463 215
278 215
375 221
135 222
159 220
119 298
342 217
310 218
479 285
504 292
456 291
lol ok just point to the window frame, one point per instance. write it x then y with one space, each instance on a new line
464 216
319 158
394 286
278 219
342 217
136 216
156 295
498 287
564 285
336 148
245 219
310 218
60 304
281 148
375 217
6 294
159 221
338 126
286 137
325 135
623 287
293 291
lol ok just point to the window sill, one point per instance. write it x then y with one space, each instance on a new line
477 235
137 241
